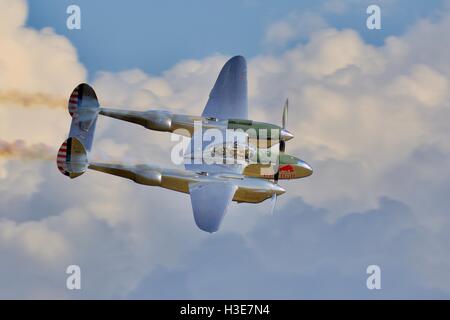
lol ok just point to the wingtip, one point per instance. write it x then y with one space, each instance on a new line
209 229
238 58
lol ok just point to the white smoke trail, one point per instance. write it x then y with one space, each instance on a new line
19 149
24 99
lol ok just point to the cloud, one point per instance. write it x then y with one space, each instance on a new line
360 110
52 56
15 15
37 68
296 26
35 239
177 89
298 254
335 6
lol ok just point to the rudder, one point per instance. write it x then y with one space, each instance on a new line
83 108
72 158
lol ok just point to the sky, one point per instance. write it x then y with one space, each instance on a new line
155 35
369 110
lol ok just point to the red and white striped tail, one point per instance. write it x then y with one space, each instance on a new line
71 159
61 158
73 102
83 107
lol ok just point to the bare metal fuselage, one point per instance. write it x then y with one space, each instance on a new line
250 187
290 167
251 190
165 121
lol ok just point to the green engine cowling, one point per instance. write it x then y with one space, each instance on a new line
265 134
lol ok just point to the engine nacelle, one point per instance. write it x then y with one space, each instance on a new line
158 120
148 177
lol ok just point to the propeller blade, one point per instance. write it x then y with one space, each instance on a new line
282 146
281 150
282 143
273 202
276 176
285 114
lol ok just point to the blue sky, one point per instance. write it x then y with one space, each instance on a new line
154 35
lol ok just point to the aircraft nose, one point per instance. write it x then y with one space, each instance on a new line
306 168
285 135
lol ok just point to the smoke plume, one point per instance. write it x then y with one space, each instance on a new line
20 150
25 99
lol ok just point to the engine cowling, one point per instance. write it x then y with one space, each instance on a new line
158 120
148 177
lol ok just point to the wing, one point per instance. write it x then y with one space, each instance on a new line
210 201
228 98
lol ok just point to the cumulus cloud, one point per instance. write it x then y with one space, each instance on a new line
298 254
296 26
37 68
183 88
359 110
50 56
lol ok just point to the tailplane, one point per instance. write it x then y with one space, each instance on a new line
83 108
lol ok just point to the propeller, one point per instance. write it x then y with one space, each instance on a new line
273 202
285 114
282 148
282 144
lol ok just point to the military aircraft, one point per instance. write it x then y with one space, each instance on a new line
211 185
